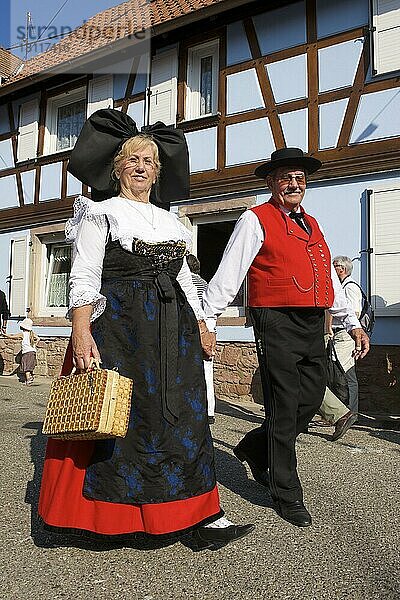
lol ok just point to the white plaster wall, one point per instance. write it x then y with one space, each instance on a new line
337 64
281 28
340 15
6 154
8 192
202 149
28 186
237 46
50 181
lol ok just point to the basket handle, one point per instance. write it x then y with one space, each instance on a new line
94 364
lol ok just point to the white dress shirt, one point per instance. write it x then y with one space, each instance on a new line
125 220
354 298
243 246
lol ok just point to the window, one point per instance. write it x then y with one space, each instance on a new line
50 267
210 236
66 115
70 119
385 36
385 257
58 268
202 80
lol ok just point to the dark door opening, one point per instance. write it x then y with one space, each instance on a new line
211 241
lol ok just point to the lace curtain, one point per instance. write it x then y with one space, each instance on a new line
206 85
70 120
59 270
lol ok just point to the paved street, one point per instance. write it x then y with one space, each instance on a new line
350 553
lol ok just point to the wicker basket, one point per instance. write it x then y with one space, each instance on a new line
92 405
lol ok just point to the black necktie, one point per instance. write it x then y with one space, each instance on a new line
297 216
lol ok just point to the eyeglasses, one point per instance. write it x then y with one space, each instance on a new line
134 161
338 266
300 179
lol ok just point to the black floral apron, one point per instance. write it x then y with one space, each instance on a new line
150 334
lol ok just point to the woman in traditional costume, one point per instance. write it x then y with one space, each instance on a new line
133 305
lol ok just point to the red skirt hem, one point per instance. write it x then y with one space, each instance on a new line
62 504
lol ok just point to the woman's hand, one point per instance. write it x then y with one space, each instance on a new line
84 347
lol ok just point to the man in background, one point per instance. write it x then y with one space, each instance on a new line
4 312
344 344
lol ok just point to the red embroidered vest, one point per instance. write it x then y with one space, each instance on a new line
291 268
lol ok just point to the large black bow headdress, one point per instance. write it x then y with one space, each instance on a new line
99 142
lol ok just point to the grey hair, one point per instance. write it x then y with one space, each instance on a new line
345 262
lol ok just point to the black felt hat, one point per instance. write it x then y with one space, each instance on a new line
288 157
101 138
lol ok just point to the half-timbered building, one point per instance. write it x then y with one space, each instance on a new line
241 79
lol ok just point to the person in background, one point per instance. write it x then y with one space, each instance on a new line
332 410
29 340
343 342
4 312
201 286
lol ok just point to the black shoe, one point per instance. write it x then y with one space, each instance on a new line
343 425
211 420
216 537
259 475
294 512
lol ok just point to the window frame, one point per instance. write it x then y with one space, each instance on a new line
194 56
42 286
53 105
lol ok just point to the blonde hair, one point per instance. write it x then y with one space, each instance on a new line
138 142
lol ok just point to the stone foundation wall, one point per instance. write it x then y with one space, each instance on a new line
50 355
237 375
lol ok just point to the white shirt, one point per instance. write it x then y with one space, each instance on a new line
354 298
26 345
243 246
125 220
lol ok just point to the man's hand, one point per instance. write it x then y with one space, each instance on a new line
362 342
208 343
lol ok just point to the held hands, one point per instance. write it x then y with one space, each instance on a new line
208 341
361 341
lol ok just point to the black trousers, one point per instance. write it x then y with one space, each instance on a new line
291 355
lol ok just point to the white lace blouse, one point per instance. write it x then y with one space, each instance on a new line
125 220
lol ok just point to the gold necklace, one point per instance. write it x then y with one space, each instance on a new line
145 217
